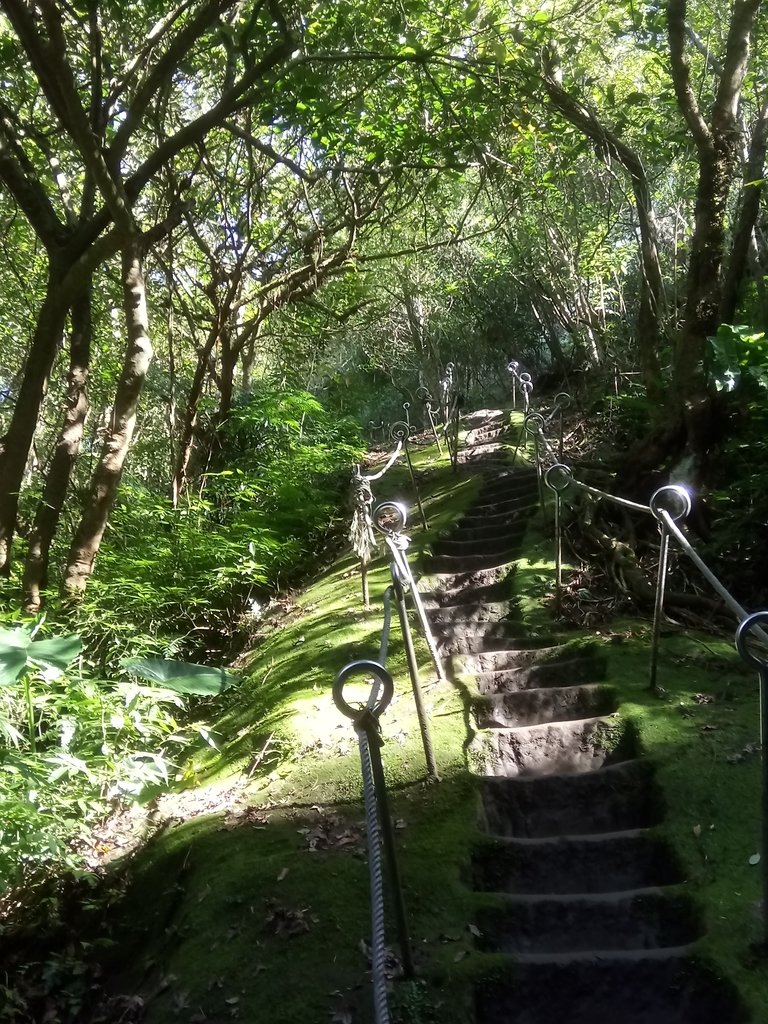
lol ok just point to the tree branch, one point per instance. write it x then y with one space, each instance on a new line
726 106
681 76
19 176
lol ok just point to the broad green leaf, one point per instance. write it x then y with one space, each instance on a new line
59 651
181 676
13 654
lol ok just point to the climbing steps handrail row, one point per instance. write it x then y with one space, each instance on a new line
670 506
361 532
677 495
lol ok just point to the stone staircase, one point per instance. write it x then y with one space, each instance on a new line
583 902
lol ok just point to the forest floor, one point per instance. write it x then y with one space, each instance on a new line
247 895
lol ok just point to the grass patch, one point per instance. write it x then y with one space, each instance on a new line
267 905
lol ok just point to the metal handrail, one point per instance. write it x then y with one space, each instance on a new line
361 533
401 432
761 665
390 518
534 425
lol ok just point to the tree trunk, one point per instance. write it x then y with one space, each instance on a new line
64 455
189 427
106 477
16 445
701 316
716 144
746 219
608 143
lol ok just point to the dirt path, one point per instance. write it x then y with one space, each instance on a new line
585 904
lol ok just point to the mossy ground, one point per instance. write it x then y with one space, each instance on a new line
262 913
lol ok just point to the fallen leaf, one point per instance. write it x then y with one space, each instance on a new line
475 931
460 955
697 830
286 921
282 874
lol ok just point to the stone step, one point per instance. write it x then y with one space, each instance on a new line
507 487
498 642
636 920
648 987
468 615
615 798
506 545
492 532
448 589
486 505
455 641
585 669
538 651
442 565
540 706
580 746
607 862
487 516
483 418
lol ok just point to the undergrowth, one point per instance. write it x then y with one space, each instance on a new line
170 582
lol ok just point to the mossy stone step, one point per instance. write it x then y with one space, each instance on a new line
578 747
575 864
543 705
648 919
470 614
666 988
615 798
587 669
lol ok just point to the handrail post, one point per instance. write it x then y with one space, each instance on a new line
761 664
533 424
562 402
446 396
513 367
423 394
413 672
389 518
676 502
558 478
401 431
526 386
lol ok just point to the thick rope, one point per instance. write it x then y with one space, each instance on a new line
375 873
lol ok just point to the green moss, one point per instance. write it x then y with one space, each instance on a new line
703 735
240 913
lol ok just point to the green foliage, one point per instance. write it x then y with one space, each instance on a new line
173 581
89 743
738 357
20 652
180 676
